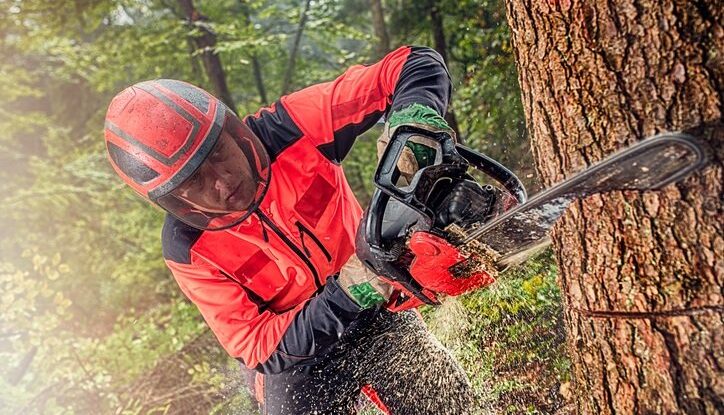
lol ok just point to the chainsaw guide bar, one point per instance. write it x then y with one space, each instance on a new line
647 165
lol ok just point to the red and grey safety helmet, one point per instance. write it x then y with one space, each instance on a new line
162 135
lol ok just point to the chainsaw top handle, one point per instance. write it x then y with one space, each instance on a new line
496 171
450 162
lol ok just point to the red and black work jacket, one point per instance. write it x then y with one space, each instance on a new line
264 286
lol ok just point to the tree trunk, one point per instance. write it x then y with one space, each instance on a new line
17 374
255 65
195 66
206 43
641 272
378 23
438 35
259 79
287 82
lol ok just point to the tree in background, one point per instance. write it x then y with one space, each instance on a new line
380 29
641 273
256 65
205 41
291 62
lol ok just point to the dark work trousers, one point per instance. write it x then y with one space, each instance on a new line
393 353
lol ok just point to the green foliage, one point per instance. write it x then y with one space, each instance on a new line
32 315
138 342
509 338
360 166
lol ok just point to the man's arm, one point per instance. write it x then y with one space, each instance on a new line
334 113
267 341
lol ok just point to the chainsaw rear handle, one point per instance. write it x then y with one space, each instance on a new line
448 163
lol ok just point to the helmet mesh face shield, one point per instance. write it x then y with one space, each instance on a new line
228 185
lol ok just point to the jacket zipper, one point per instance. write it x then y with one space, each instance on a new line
303 230
263 232
291 245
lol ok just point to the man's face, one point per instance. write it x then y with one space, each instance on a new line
228 185
223 183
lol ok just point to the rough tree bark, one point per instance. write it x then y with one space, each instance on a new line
641 273
378 24
206 42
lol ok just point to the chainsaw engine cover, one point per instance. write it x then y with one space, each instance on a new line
465 203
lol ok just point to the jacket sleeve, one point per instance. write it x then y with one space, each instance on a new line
260 338
334 113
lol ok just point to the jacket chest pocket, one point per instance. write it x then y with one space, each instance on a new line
262 275
313 203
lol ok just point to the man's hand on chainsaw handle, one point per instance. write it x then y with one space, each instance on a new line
362 285
434 256
413 156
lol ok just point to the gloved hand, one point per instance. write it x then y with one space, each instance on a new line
419 150
362 285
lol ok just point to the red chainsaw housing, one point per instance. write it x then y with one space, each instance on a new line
434 257
402 299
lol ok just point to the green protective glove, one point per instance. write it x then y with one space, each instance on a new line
419 115
419 151
363 286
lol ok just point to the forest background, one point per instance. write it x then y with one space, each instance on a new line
91 321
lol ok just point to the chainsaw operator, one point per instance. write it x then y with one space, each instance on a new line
261 225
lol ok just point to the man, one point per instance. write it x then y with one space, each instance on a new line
261 229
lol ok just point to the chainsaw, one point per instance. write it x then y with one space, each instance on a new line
442 232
